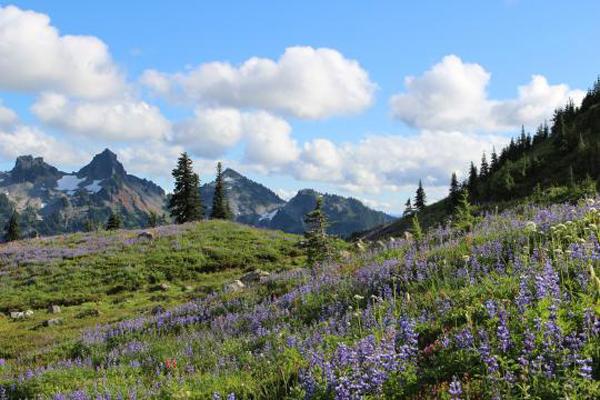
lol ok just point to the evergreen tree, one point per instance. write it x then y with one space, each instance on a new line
494 160
114 221
12 230
463 214
408 209
416 229
420 198
472 181
152 219
484 169
185 204
454 194
317 243
220 206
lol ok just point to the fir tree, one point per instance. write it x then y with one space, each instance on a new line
484 169
420 198
408 209
220 206
454 194
185 204
12 230
317 243
114 221
494 160
472 181
463 214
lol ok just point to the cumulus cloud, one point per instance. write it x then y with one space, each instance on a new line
7 116
29 140
304 82
391 162
452 95
35 57
213 131
121 120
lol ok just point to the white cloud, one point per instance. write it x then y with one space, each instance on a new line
211 132
305 82
8 117
35 57
24 140
452 95
121 120
392 162
269 143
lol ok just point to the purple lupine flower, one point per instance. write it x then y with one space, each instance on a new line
502 332
455 389
490 306
464 339
585 368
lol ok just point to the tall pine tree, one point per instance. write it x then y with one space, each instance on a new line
454 194
114 221
484 169
317 243
420 198
185 204
12 230
408 209
220 206
472 181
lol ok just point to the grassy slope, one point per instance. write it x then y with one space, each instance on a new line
121 280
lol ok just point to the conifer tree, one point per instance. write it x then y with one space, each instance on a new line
114 221
408 209
152 219
185 204
463 214
454 194
317 243
472 181
484 169
220 206
12 230
420 198
494 160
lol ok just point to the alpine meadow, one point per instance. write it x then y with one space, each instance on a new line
299 201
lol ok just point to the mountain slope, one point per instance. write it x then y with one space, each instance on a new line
51 201
558 163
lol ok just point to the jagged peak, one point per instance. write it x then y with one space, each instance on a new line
104 165
29 168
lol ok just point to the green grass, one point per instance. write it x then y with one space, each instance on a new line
113 285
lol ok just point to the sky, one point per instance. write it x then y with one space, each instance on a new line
362 99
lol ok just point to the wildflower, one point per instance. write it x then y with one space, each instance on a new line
455 389
2 362
585 368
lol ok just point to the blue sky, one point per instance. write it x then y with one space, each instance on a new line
371 148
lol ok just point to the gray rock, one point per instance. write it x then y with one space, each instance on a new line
254 276
53 322
234 286
21 314
54 309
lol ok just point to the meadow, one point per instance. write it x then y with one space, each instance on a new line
508 310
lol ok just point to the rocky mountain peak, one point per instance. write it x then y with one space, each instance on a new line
103 166
31 169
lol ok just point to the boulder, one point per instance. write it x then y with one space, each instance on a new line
54 309
254 276
21 314
53 322
234 286
146 235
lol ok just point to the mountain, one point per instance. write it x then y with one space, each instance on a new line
250 202
558 163
51 201
254 204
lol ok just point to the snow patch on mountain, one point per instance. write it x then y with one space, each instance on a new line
69 183
94 187
269 216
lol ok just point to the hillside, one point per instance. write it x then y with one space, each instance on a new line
558 163
510 310
256 205
51 201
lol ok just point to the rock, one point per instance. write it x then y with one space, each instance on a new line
164 286
234 286
146 235
28 313
254 276
17 315
53 322
157 310
54 309
408 236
